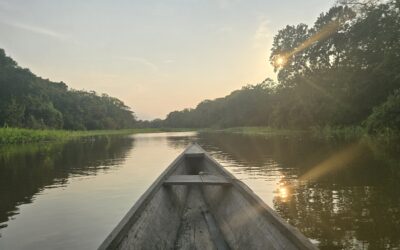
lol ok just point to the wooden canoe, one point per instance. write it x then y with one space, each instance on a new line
196 204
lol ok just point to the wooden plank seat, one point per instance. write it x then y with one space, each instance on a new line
196 180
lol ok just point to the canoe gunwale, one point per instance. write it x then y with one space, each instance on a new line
288 230
122 228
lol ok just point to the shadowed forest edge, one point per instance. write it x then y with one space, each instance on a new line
341 73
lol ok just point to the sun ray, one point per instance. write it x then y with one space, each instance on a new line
326 31
336 162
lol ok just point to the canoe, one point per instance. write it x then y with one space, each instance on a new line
197 204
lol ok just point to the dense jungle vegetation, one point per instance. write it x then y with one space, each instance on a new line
28 101
342 71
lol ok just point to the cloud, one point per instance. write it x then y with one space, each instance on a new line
168 61
226 30
37 30
4 5
140 60
262 35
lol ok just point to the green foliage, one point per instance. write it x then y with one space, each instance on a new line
330 75
386 117
20 135
242 107
264 131
346 133
28 101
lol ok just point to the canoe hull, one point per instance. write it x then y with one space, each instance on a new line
202 216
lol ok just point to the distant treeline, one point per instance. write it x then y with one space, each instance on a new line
342 71
29 101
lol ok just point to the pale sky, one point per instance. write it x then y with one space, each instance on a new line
155 55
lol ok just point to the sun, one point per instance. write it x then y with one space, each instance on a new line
280 61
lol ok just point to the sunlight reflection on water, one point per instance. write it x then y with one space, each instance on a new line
71 195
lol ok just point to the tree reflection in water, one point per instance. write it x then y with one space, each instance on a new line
353 203
26 170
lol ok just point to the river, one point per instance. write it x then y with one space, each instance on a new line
70 195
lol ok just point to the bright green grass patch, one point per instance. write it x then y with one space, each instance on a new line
19 135
257 131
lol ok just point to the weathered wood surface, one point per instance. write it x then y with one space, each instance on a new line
144 212
215 232
180 212
196 180
194 151
245 220
194 233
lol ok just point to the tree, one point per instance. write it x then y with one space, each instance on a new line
32 102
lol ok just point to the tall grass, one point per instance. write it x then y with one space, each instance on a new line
335 132
20 135
257 131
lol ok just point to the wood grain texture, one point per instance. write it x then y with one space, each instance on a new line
196 180
187 209
194 233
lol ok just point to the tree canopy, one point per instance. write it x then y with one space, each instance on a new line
332 73
29 101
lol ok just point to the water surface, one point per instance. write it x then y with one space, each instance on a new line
342 195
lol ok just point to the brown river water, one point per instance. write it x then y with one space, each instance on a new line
70 195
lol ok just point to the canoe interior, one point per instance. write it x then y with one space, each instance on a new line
202 216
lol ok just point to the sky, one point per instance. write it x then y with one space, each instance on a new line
155 55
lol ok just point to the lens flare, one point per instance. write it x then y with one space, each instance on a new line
325 32
283 192
336 162
280 61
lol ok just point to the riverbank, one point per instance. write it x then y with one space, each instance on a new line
20 136
346 133
256 131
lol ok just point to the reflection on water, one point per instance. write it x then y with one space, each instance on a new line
70 195
350 198
26 169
